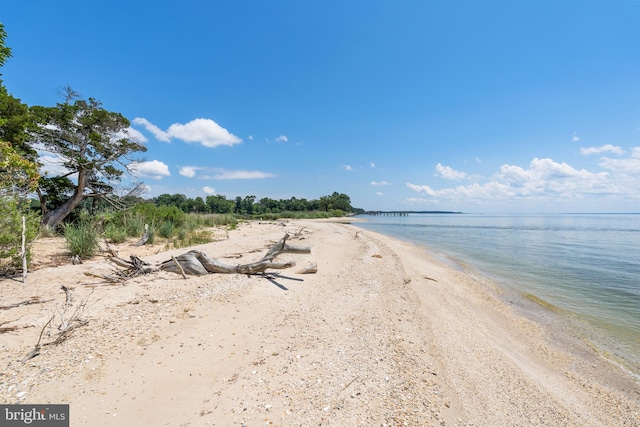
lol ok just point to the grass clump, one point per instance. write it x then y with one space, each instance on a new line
135 226
186 239
166 229
115 234
82 239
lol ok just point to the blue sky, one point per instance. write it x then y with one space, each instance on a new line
474 106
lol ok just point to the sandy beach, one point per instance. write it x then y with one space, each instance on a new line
383 334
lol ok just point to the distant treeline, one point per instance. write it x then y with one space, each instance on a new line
248 206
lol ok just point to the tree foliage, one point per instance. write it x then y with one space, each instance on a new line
5 52
18 170
18 175
92 146
248 206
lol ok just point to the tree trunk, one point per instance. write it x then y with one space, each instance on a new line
55 217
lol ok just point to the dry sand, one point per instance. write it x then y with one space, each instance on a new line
382 334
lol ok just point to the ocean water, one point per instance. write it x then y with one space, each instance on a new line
584 269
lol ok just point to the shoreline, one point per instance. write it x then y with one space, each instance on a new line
610 338
383 333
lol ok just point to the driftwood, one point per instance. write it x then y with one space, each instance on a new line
134 267
184 276
24 250
32 300
70 318
197 263
309 269
144 237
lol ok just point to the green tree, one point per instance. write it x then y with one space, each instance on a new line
219 204
18 169
199 206
18 175
5 52
15 121
247 204
340 201
324 203
90 142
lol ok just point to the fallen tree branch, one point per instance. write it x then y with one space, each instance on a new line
32 300
36 350
198 263
4 329
70 319
134 267
179 266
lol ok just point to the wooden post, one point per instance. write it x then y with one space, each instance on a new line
24 250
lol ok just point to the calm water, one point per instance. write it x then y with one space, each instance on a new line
587 266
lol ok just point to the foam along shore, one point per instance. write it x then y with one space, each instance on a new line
383 333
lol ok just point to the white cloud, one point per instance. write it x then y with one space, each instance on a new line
208 190
544 179
373 165
379 193
203 131
346 167
238 174
575 137
188 171
52 165
421 201
133 134
153 169
220 173
448 173
158 133
602 149
374 183
282 138
628 167
250 138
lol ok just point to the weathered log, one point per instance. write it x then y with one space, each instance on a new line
198 263
144 237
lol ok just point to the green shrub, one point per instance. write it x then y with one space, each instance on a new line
166 229
224 219
11 213
135 226
82 239
151 238
199 238
133 220
152 213
189 239
115 234
193 222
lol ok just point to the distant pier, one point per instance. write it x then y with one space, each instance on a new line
387 213
405 213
